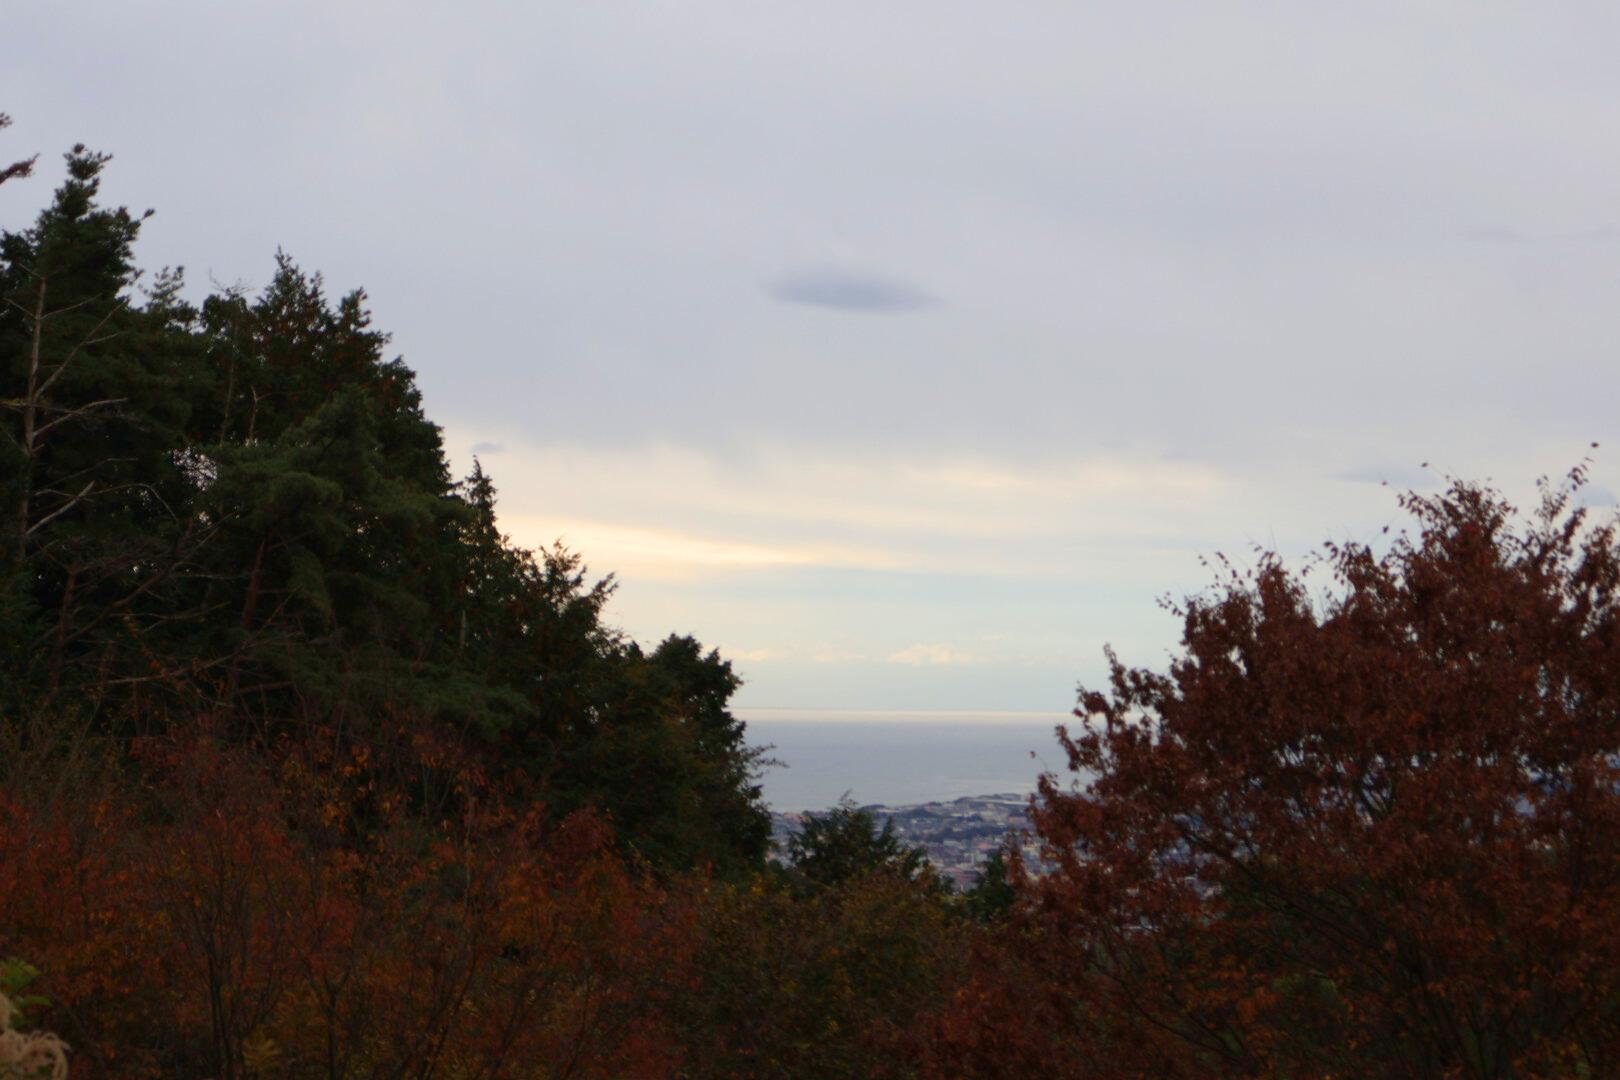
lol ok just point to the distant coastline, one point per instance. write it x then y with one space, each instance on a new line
957 834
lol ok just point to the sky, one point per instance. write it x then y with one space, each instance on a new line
909 351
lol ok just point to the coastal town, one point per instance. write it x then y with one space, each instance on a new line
958 836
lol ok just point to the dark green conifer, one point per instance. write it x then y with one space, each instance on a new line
241 508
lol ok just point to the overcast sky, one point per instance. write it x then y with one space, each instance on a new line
905 349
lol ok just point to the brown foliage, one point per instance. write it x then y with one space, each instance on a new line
1374 832
829 984
238 913
17 169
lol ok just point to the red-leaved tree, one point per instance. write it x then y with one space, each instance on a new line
1367 830
292 911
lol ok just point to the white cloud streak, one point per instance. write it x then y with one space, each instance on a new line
932 654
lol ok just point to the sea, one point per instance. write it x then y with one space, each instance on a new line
896 758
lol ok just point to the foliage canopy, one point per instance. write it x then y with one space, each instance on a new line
306 769
1371 832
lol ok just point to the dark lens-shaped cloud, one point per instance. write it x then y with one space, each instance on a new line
847 290
488 448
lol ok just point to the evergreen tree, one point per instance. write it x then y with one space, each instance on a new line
845 843
992 893
94 485
241 508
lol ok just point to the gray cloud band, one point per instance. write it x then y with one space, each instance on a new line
848 291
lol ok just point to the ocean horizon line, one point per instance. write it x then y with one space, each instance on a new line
861 711
786 714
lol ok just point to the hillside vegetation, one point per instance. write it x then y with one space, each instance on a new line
306 769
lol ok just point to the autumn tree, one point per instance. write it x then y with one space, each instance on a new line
1370 828
836 982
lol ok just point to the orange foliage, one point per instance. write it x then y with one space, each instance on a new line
1376 834
286 915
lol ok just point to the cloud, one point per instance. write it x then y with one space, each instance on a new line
831 506
750 656
1164 318
847 290
671 555
931 655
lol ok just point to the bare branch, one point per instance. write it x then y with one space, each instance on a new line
94 330
76 412
54 312
59 511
